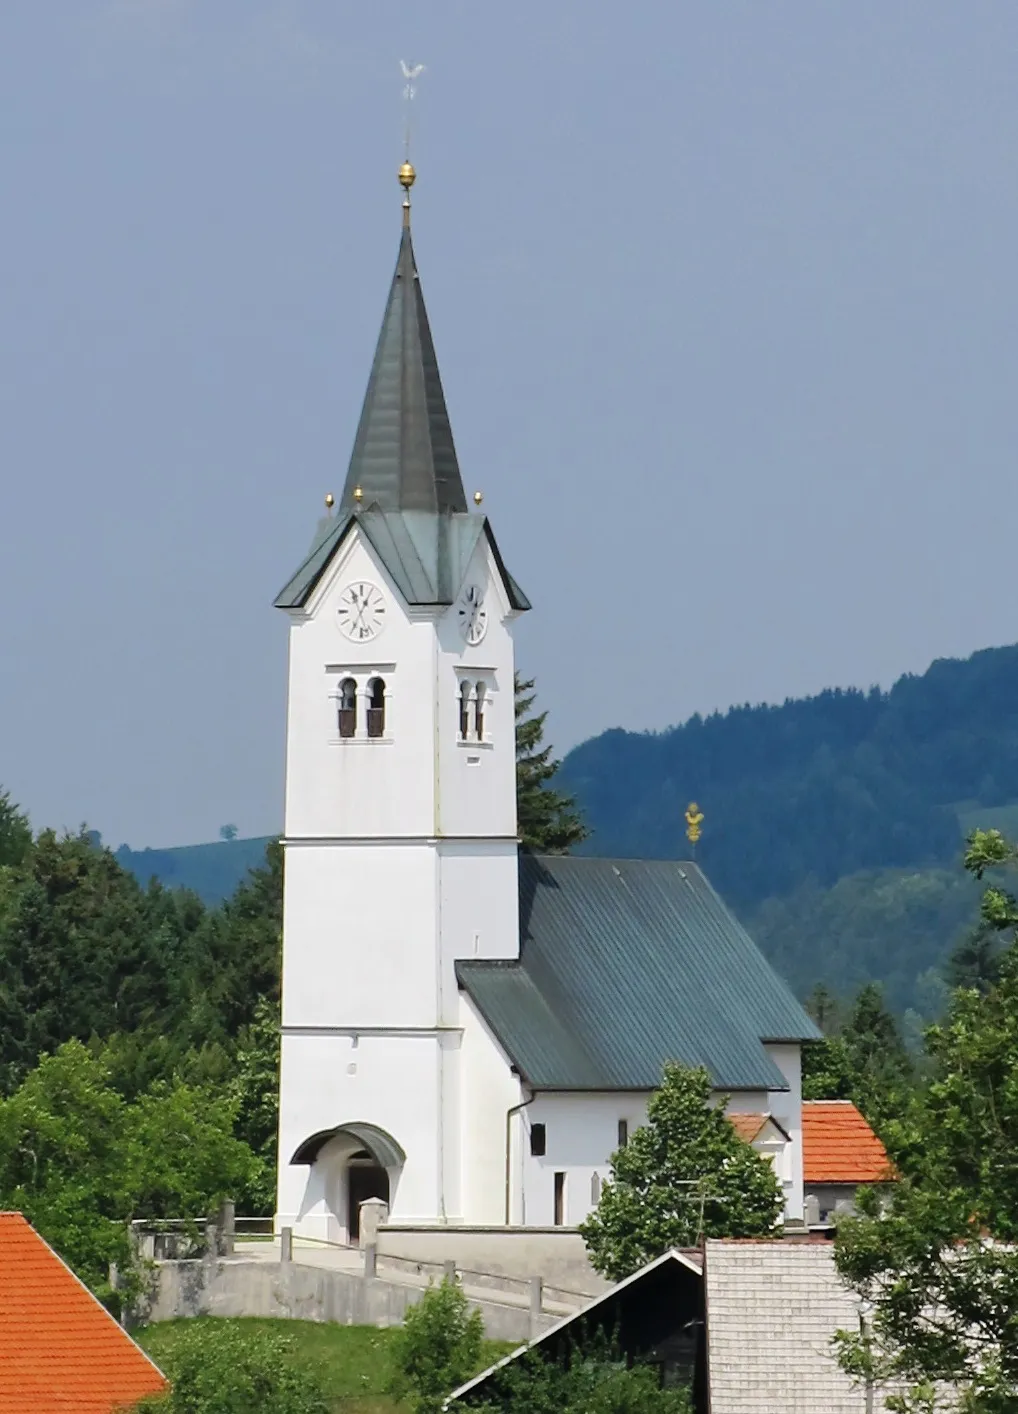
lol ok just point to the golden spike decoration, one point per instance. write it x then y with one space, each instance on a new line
694 819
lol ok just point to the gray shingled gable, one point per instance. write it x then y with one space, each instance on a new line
625 964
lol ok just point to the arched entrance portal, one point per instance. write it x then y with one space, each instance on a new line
349 1164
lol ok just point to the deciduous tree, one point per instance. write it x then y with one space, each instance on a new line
684 1175
939 1270
438 1347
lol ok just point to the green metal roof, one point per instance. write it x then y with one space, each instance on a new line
403 457
625 964
412 509
427 555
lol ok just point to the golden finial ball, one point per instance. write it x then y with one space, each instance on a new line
330 501
358 494
478 498
407 176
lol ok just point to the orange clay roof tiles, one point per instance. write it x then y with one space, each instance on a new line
747 1126
61 1352
838 1146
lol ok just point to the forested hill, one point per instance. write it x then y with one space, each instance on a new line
833 824
817 788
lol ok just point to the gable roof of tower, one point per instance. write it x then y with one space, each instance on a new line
403 487
626 964
60 1349
425 555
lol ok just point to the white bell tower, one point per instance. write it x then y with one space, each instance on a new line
400 819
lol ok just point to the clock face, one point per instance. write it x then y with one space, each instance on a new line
361 611
473 616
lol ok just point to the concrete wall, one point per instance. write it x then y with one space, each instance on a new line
556 1254
306 1293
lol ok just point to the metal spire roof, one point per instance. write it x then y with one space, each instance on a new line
403 491
403 457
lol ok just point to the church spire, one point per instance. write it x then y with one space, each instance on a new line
404 458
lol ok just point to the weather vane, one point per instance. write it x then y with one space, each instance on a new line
694 819
411 73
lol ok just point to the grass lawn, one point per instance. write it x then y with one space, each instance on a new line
354 1361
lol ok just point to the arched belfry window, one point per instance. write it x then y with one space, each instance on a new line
464 710
347 708
479 703
376 707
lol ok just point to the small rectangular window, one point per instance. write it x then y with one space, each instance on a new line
538 1140
560 1199
623 1133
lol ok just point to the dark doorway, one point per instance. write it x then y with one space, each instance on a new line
365 1179
560 1199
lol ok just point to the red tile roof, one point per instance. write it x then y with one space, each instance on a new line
838 1146
61 1352
747 1126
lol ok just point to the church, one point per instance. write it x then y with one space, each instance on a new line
469 1031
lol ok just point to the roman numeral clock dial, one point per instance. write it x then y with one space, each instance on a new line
361 611
472 614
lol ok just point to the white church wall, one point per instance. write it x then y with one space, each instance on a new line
477 778
753 1102
400 858
359 924
488 1090
581 1132
786 1107
359 787
390 1081
479 907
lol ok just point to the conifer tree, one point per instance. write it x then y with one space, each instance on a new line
549 821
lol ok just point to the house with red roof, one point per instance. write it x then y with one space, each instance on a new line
61 1352
839 1153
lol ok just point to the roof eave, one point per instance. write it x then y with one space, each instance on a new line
517 599
305 581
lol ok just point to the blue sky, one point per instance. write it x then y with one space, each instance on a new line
723 295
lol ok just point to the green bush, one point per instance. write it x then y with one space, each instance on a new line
438 1348
222 1369
684 1175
